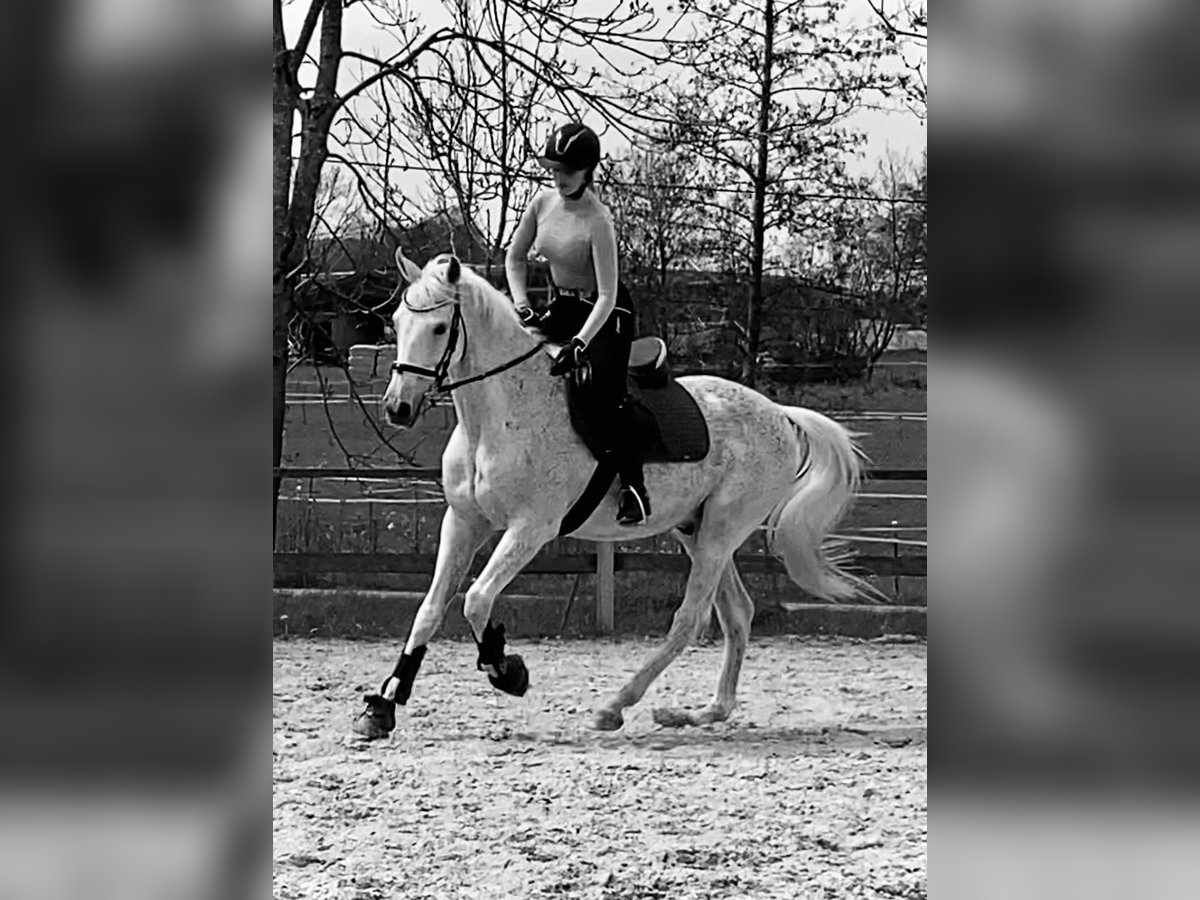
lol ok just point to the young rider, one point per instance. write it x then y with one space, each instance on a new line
573 230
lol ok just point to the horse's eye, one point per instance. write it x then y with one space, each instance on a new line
439 329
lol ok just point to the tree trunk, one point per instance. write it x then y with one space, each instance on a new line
497 249
282 302
281 294
659 309
293 201
754 308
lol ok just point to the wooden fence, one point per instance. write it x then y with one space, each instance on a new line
604 563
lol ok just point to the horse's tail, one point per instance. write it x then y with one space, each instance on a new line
798 528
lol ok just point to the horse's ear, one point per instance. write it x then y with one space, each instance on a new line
409 270
453 270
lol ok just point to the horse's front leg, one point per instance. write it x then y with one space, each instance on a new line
515 550
461 535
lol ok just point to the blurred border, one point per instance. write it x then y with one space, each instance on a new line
135 643
1065 631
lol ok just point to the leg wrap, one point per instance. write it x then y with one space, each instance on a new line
405 672
511 675
491 647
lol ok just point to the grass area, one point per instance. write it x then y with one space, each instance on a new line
900 387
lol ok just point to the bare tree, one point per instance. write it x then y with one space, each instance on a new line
470 117
773 83
877 265
294 189
339 215
658 197
898 256
906 24
313 96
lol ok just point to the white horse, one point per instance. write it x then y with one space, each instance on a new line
514 464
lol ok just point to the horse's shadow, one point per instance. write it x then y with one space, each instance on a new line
734 738
797 740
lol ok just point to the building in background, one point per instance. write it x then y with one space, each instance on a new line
348 296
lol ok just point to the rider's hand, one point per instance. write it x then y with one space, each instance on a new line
529 316
572 357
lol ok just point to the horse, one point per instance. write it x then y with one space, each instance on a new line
514 464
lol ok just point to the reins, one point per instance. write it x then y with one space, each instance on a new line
457 325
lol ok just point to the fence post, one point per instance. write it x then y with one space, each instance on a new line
605 585
895 555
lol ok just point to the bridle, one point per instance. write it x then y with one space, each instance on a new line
457 326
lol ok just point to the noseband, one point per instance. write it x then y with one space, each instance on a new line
440 372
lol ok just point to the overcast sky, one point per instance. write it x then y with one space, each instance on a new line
900 131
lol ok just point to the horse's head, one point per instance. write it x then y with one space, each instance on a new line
429 334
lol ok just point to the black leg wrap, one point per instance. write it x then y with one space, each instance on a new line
405 672
511 675
491 647
379 717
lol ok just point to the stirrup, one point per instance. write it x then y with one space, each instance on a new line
636 512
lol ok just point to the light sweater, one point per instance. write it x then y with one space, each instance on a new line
578 240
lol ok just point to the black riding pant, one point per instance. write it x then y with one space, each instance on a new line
608 354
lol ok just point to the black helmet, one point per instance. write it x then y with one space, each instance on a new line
574 146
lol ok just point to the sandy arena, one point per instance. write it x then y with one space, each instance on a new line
815 789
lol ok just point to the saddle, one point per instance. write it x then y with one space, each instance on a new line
669 426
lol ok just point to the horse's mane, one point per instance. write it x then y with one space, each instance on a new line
433 288
490 299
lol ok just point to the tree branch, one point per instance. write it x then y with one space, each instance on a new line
877 6
441 36
316 121
296 54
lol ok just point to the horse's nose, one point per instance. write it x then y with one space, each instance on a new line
399 414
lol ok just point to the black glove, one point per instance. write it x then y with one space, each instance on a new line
529 316
572 357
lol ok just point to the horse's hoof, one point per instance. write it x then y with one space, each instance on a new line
673 718
607 720
513 678
378 720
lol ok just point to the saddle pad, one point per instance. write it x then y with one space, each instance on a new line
670 425
671 429
676 429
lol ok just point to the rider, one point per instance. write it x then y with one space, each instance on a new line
573 230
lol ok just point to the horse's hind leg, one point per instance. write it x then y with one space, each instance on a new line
735 610
707 567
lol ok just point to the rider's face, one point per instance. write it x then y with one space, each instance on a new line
569 181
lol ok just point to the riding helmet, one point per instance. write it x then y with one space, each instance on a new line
573 146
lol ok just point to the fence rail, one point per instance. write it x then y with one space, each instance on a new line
297 567
411 472
604 564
